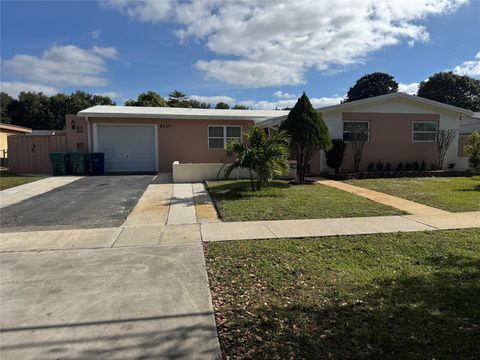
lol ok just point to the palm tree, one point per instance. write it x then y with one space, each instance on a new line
264 156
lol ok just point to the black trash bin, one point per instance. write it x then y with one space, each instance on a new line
97 163
59 163
79 163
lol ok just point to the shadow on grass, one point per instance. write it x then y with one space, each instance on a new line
433 316
474 188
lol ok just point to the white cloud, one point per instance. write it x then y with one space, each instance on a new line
110 94
213 99
411 88
281 104
283 95
14 88
250 73
470 68
146 11
273 43
62 66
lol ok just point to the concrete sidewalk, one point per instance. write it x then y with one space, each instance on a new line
342 226
150 235
408 206
191 204
23 192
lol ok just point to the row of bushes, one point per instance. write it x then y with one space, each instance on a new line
408 166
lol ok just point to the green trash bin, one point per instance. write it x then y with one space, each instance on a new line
59 163
79 163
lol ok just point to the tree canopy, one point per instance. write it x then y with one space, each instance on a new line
452 89
150 98
222 105
241 107
371 85
308 132
5 101
38 111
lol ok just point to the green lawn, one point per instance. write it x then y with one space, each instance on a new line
8 181
283 201
454 194
384 296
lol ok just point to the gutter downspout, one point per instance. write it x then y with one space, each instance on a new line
88 134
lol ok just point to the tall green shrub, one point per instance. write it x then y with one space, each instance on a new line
472 150
335 154
308 132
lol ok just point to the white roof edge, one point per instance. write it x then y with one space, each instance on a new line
106 111
395 95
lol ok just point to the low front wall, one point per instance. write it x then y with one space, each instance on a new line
199 172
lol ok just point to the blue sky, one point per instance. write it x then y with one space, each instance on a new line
260 53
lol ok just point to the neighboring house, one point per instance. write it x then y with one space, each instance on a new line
468 125
5 131
401 127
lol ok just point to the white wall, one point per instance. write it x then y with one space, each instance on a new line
198 172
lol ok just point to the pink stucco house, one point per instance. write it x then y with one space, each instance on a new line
190 142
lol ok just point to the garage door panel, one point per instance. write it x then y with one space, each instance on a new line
127 148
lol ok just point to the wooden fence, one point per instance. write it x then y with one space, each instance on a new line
29 154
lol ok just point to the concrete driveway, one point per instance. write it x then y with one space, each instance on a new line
91 285
90 202
115 303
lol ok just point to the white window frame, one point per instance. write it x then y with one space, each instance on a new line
425 132
225 138
356 121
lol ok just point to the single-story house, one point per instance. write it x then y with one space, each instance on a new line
401 128
190 142
143 139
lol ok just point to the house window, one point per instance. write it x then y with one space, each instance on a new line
219 135
424 131
351 126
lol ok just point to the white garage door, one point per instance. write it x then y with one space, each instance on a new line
127 148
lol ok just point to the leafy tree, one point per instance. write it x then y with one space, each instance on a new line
335 154
30 110
38 111
472 150
452 89
264 156
195 104
58 106
308 132
5 101
371 85
222 105
241 107
444 140
177 99
80 100
150 98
